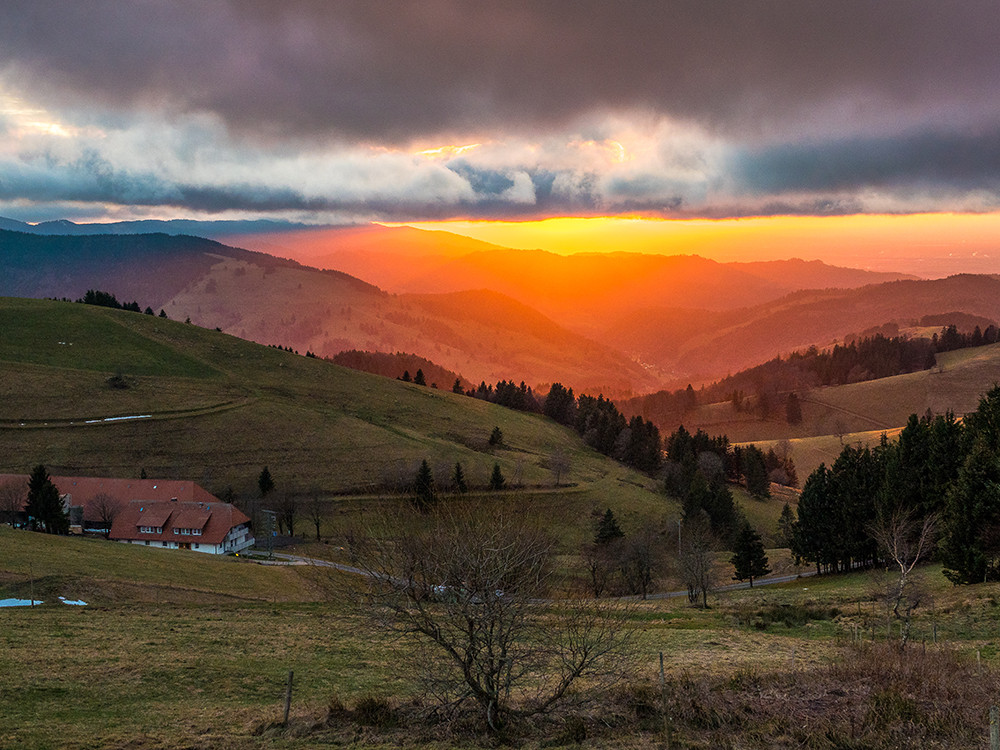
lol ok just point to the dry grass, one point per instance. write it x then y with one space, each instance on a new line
203 664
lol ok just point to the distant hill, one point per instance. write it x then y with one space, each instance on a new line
148 267
209 229
701 346
481 335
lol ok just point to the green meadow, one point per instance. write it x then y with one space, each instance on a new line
178 649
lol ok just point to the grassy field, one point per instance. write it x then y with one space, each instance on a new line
220 408
179 649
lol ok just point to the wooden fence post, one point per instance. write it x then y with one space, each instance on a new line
663 705
288 696
994 728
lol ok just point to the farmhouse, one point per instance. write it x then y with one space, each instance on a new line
213 527
95 503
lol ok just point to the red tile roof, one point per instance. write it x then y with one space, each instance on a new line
192 518
83 490
152 514
221 518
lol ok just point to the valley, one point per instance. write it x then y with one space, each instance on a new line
196 398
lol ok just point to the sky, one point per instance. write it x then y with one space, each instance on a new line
444 110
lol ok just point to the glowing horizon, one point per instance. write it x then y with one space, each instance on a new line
844 240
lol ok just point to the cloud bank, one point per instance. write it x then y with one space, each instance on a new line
353 110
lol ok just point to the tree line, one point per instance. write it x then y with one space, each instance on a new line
634 442
106 299
939 469
767 388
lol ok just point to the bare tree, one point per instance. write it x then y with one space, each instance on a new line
641 558
316 512
601 562
559 464
287 508
469 585
698 547
13 496
106 509
905 540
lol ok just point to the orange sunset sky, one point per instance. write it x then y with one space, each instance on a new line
928 245
858 133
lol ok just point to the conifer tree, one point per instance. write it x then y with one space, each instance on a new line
969 550
265 483
786 527
793 409
749 559
419 378
755 471
424 496
608 529
459 477
44 507
497 481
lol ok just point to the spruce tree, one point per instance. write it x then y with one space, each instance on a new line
424 495
419 378
459 477
497 481
749 559
755 471
969 548
457 387
265 483
793 409
44 507
608 529
786 527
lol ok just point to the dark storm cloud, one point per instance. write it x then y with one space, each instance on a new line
489 181
923 159
395 71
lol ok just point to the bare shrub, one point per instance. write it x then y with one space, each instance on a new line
467 589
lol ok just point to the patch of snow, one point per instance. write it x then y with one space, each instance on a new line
77 602
18 602
118 419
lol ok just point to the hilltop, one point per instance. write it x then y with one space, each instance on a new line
275 301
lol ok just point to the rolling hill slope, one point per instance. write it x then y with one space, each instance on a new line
276 301
211 407
704 345
860 412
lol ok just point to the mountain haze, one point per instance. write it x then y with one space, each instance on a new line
703 345
480 334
